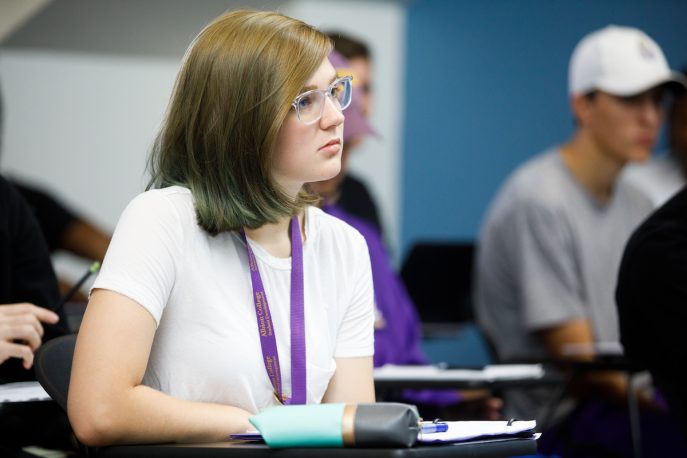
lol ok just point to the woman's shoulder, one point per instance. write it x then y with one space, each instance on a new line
170 193
171 205
162 199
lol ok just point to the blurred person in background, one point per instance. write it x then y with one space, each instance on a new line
347 191
552 240
398 334
28 292
652 301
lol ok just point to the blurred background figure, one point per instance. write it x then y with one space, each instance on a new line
359 60
398 333
652 301
347 191
551 244
26 277
664 175
28 292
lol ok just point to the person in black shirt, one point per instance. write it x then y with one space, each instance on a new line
52 216
26 276
355 198
28 290
652 301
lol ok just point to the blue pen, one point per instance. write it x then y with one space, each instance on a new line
429 428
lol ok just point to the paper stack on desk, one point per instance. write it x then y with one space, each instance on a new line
461 431
22 392
491 373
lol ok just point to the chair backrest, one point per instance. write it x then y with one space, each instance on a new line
438 277
53 367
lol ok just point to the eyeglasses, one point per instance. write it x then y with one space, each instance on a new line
309 105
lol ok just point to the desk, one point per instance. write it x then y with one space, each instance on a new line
448 379
494 449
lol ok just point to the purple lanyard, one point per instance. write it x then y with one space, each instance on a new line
268 341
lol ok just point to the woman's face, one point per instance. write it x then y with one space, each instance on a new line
310 152
328 189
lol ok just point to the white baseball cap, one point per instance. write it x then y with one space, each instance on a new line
622 61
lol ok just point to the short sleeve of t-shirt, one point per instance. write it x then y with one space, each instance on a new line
550 290
356 331
141 259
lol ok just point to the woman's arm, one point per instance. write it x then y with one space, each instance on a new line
352 382
107 403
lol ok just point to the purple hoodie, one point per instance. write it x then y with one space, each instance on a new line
398 342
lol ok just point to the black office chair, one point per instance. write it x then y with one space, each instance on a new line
53 366
438 277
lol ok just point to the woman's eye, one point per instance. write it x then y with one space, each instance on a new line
305 102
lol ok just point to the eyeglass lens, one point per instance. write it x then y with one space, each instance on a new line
310 105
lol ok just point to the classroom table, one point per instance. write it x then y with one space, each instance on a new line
494 449
457 379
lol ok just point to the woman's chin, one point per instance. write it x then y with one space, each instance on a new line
328 185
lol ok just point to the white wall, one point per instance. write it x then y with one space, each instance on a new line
82 108
81 126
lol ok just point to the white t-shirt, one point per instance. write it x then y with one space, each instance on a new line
198 289
659 178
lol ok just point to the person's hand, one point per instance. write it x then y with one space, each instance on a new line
21 331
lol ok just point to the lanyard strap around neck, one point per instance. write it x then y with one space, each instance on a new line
268 341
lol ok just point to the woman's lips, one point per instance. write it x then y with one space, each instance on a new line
331 147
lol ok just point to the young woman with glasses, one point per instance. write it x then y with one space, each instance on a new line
225 291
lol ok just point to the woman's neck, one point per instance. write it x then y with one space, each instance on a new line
275 238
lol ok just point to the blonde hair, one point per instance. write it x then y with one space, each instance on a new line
231 97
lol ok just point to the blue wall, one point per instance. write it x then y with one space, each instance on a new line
486 88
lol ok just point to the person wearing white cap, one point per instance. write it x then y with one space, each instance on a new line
551 243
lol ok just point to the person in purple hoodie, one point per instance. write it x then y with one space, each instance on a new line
398 334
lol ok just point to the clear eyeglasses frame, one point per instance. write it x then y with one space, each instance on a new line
309 105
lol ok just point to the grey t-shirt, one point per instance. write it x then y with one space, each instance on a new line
549 253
